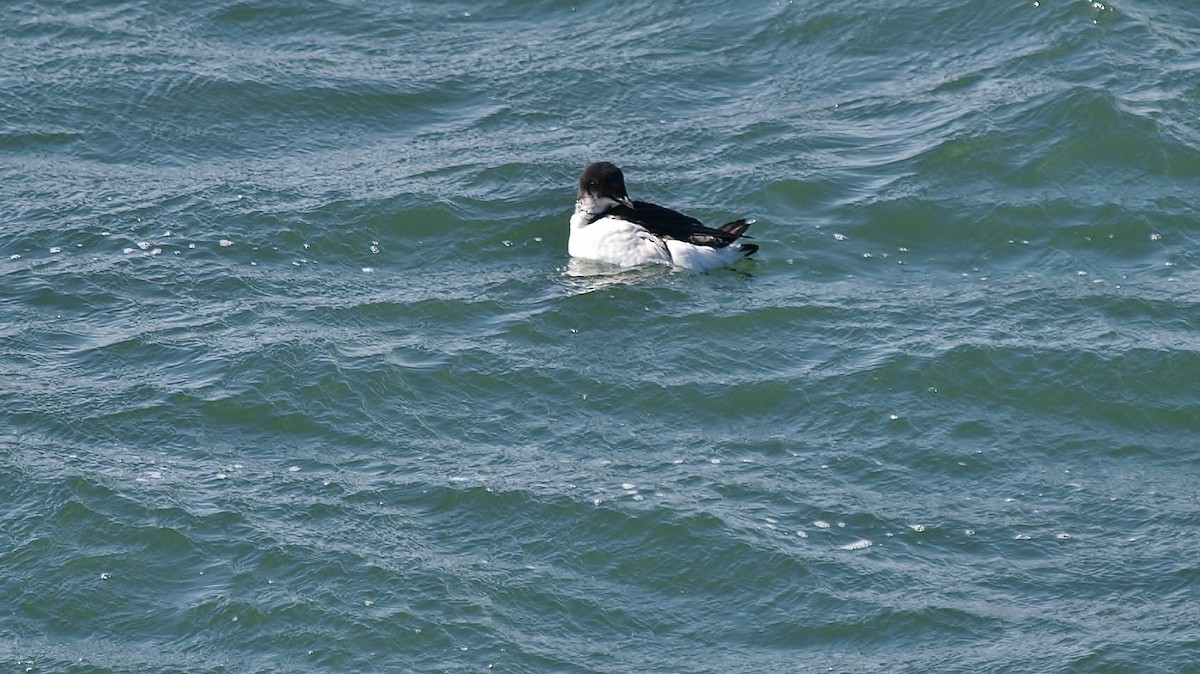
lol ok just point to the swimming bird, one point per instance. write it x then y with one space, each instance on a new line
610 227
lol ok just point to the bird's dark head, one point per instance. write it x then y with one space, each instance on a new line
602 186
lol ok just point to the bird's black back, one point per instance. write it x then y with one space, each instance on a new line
663 221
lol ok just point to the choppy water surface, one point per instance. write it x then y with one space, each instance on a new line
298 376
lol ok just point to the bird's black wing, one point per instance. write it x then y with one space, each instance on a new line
663 221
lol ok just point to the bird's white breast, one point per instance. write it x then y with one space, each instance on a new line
615 241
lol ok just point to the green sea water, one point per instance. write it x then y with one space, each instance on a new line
297 375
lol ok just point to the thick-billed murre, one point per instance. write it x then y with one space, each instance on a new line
610 227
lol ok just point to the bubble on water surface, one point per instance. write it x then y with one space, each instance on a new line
861 544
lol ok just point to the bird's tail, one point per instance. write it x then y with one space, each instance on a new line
738 228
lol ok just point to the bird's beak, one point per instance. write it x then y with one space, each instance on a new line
626 201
